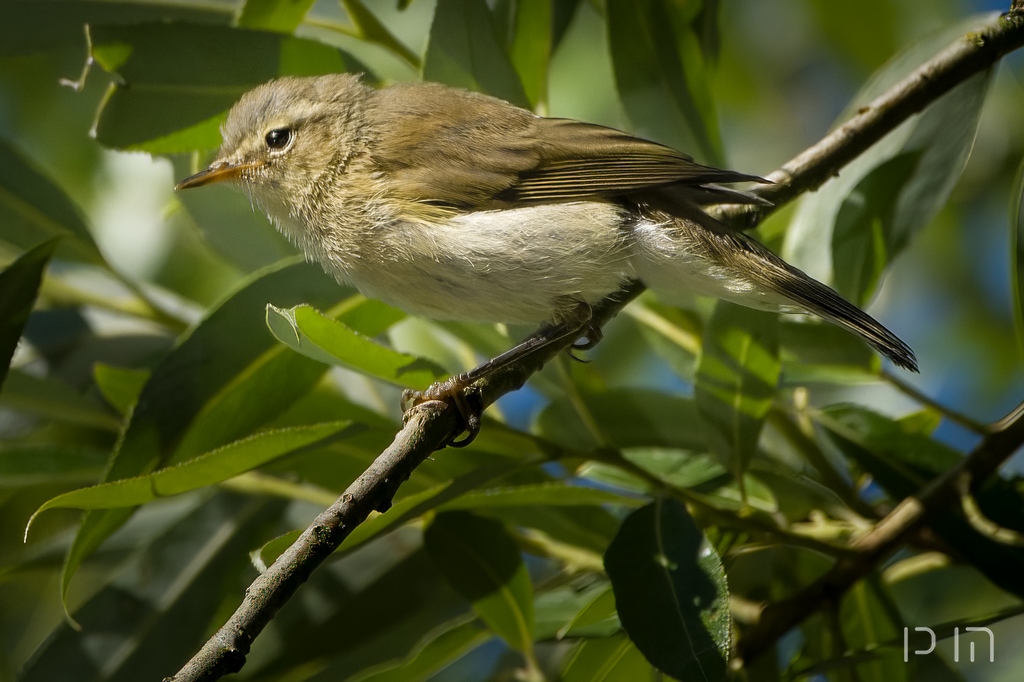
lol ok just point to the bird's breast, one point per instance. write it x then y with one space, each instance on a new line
521 265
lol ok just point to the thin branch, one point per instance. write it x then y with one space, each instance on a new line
969 55
431 424
1004 438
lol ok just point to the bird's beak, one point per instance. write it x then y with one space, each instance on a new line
219 171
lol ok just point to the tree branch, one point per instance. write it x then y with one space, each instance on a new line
969 55
1004 438
430 425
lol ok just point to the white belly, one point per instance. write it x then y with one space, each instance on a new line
524 265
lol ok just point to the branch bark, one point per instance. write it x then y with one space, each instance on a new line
1004 438
431 424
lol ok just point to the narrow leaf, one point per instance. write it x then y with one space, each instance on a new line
120 386
661 76
438 651
141 624
737 376
213 467
1017 254
224 345
627 418
942 137
530 50
283 16
177 75
19 284
25 465
481 561
596 618
35 27
464 51
310 333
34 209
372 30
864 235
903 461
53 399
670 592
551 494
608 659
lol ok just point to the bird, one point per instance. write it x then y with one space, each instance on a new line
455 205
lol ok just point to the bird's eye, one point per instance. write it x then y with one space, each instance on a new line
279 139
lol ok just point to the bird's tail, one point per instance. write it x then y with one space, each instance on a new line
823 301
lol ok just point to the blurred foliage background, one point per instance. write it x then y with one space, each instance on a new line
148 346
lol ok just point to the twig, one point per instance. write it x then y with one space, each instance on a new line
432 423
969 55
1003 439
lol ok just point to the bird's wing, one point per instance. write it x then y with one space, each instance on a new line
454 148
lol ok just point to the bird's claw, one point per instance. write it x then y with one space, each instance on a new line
459 392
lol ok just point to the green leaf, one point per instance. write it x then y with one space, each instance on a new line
464 51
309 332
661 75
530 50
212 467
283 16
227 344
53 399
34 209
371 29
608 659
32 27
627 418
178 75
120 386
864 234
598 618
278 372
942 136
439 650
157 617
481 561
32 464
377 619
737 376
679 468
1017 254
408 507
560 609
869 618
903 461
670 592
551 494
227 223
818 352
19 284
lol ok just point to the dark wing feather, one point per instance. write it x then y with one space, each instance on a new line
452 147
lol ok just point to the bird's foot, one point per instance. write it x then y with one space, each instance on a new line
458 391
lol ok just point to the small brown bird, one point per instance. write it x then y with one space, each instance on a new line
455 205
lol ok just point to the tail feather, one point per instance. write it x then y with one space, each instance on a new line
827 303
